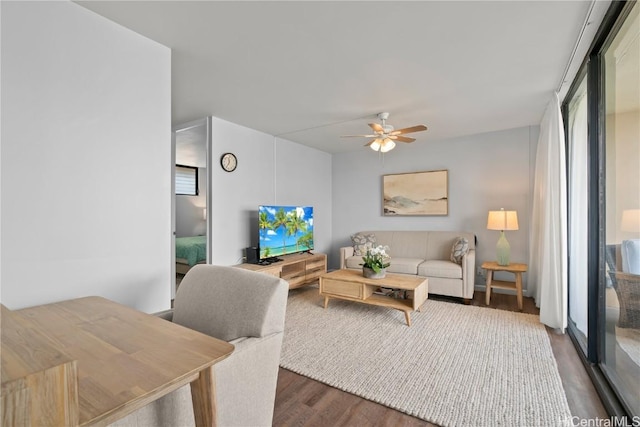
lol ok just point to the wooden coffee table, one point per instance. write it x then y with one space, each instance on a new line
350 285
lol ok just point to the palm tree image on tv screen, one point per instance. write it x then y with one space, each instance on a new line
285 230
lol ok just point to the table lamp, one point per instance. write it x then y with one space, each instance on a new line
630 220
502 220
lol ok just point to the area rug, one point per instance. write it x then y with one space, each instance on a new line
456 365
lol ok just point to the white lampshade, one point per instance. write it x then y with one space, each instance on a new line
502 220
630 220
375 145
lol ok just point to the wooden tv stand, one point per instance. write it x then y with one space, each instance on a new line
297 269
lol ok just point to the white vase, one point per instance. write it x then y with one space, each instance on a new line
370 273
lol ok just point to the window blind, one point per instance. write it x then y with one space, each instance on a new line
186 180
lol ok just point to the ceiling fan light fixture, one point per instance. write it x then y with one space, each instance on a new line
387 145
385 136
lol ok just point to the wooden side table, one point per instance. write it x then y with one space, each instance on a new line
515 268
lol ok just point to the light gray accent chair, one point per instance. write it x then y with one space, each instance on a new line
246 309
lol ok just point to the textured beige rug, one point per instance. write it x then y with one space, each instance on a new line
455 366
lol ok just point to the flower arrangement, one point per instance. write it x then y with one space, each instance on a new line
376 258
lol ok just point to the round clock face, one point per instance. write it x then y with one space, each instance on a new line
229 162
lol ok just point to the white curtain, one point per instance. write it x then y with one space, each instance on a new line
548 250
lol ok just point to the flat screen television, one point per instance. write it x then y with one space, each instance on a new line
284 230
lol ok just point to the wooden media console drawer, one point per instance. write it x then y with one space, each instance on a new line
294 273
297 269
315 268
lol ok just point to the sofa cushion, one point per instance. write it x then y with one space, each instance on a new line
407 244
362 242
404 265
439 243
353 262
459 249
438 268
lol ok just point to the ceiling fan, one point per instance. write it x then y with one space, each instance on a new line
384 136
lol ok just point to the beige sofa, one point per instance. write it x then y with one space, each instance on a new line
425 253
246 309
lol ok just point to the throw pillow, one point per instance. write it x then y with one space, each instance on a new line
362 242
630 252
459 249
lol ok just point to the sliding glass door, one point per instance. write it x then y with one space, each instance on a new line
602 123
621 355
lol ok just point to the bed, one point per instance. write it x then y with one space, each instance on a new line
189 252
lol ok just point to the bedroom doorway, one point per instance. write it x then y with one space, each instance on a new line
191 191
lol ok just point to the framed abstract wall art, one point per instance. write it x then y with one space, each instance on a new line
416 193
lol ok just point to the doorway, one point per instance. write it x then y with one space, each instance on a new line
191 195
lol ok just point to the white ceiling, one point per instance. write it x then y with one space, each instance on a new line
312 71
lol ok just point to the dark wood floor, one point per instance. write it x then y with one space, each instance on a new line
301 401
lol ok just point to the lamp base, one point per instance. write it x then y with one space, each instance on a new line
503 250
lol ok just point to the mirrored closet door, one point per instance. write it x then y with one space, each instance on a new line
191 197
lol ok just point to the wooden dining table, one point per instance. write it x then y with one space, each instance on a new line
124 358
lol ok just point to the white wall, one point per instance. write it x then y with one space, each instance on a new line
86 149
486 172
270 171
303 177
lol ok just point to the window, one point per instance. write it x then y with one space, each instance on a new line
186 180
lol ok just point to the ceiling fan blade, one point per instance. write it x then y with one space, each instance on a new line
363 136
417 128
376 127
403 138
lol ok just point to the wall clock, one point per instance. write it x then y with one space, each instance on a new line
229 162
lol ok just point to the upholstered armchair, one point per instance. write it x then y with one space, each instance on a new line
246 309
623 267
628 290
